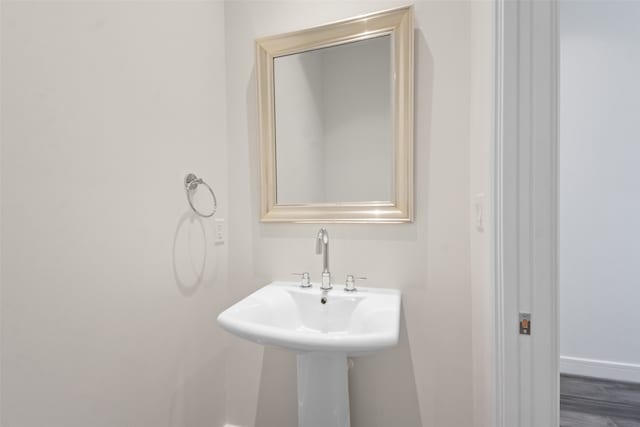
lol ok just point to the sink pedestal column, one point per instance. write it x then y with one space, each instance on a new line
323 390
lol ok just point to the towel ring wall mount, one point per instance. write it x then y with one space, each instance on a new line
191 182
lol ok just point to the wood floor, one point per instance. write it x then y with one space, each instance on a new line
590 402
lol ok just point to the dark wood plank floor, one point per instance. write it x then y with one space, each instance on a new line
591 402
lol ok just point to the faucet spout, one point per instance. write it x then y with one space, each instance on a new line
322 247
319 241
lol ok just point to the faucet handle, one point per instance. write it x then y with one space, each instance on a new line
350 283
305 280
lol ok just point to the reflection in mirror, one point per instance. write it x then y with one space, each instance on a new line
333 124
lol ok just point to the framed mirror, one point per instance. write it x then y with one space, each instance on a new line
336 121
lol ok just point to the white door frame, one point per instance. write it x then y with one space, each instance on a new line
526 376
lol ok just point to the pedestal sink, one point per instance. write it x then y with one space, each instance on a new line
323 335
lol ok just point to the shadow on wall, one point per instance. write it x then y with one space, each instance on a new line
423 64
386 377
277 399
189 405
194 257
255 167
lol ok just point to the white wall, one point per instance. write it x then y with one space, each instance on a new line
427 379
599 176
108 296
480 142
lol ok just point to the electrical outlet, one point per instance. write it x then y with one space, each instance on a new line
219 231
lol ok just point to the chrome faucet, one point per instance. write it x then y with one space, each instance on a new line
322 247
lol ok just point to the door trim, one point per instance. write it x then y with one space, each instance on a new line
526 376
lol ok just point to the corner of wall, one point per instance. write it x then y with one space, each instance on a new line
480 137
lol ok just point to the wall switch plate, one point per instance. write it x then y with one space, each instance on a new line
219 231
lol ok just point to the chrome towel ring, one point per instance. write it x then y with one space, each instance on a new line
191 182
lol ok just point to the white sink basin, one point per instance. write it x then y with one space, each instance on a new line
284 314
323 335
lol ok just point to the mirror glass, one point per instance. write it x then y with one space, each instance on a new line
334 124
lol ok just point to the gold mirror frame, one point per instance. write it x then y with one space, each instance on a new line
399 24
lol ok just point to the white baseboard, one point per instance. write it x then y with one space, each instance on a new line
600 369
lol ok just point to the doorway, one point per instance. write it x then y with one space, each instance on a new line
599 213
